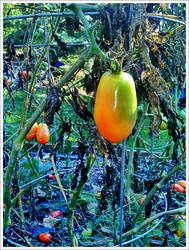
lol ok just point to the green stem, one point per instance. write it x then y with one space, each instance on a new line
73 202
58 179
155 155
150 220
75 83
10 138
30 162
90 32
131 154
121 191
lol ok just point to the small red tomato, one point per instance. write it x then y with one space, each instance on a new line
178 187
55 214
45 237
32 90
52 176
43 115
24 73
141 200
8 82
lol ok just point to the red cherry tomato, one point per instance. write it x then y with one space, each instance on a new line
52 176
43 134
55 214
8 82
45 237
178 187
43 115
24 73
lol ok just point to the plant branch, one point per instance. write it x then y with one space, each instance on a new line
157 187
58 179
149 220
131 154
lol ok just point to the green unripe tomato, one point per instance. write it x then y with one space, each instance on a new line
40 31
30 74
163 125
87 232
182 114
44 66
181 228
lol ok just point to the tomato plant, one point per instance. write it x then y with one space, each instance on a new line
32 133
45 237
115 109
43 134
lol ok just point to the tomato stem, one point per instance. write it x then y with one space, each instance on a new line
121 191
114 64
131 154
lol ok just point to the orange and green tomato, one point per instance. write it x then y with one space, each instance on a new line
115 109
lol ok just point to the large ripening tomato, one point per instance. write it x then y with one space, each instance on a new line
32 133
115 109
43 134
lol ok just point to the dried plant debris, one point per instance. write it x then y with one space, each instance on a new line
91 81
53 103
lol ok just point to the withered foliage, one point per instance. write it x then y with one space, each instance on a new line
91 81
53 103
80 106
